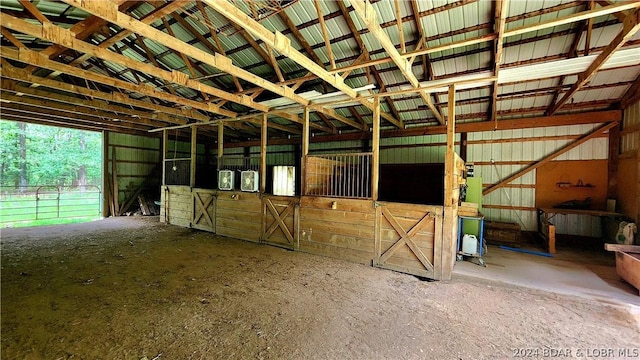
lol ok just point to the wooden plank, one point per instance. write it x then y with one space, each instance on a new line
628 267
340 217
634 249
353 255
375 148
194 149
368 15
239 223
449 232
351 205
629 28
279 42
34 58
337 229
238 233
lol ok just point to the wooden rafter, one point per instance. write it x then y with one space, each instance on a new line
59 35
92 23
33 10
398 11
632 95
108 11
36 107
34 58
366 12
80 111
219 46
14 73
393 119
325 34
187 62
279 42
573 53
12 86
630 26
501 9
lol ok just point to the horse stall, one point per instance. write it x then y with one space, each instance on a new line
336 213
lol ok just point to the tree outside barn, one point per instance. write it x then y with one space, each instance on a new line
48 173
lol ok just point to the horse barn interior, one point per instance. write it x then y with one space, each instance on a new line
355 137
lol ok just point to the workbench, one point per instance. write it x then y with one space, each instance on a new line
548 231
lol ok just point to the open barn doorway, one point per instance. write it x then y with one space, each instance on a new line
49 175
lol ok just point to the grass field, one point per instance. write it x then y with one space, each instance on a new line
48 209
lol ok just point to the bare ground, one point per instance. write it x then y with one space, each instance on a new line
133 288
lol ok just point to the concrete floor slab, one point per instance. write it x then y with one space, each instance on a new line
584 273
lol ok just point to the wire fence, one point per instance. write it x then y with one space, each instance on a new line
48 204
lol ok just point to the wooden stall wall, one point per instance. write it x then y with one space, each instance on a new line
280 216
338 227
406 236
239 215
204 209
176 205
628 175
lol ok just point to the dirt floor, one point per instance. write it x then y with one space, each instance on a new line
133 288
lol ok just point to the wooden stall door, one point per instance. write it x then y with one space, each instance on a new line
280 218
406 236
204 210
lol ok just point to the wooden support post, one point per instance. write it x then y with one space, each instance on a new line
114 182
305 152
449 226
220 143
194 148
375 147
614 150
105 174
163 158
263 154
463 146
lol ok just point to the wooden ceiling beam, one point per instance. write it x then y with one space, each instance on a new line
279 42
632 95
60 35
630 26
32 107
299 37
73 110
13 87
44 119
109 11
185 59
583 15
14 73
34 58
325 34
33 10
500 19
596 117
393 119
368 15
219 46
91 24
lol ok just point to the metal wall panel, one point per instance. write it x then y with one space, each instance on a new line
631 141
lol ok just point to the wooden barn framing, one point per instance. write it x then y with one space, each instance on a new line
344 92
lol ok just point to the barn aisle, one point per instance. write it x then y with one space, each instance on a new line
134 288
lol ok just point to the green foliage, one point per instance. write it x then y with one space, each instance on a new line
54 156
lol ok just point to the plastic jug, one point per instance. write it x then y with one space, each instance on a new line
469 244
